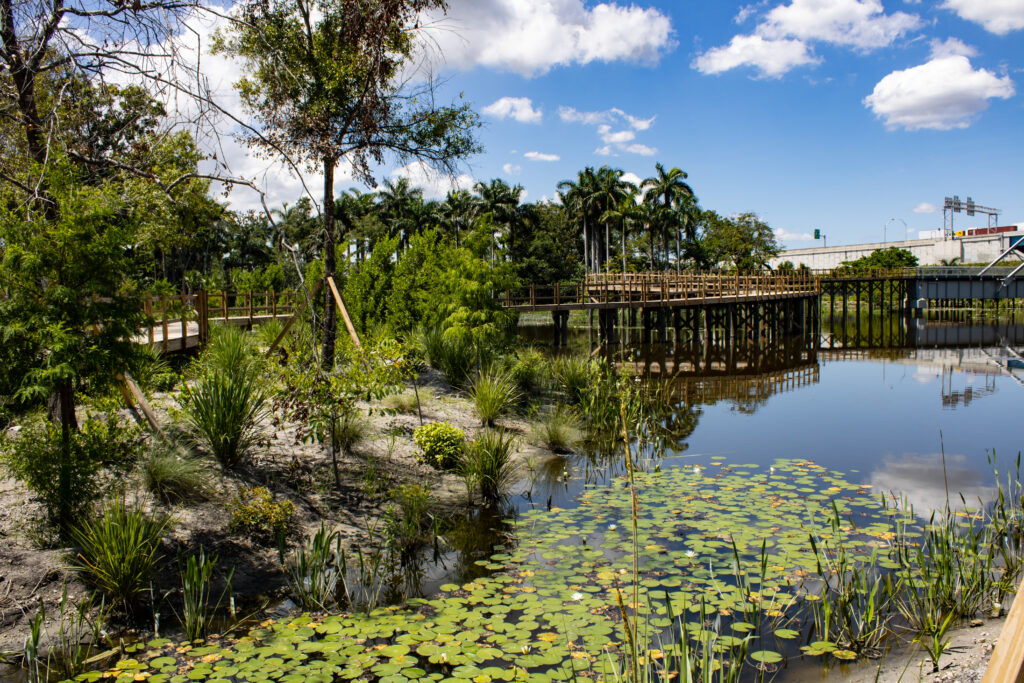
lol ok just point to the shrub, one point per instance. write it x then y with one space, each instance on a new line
493 393
530 371
489 463
267 332
255 512
67 481
558 430
230 349
174 475
406 520
117 551
225 408
151 371
574 374
440 444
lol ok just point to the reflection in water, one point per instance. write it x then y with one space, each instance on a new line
921 480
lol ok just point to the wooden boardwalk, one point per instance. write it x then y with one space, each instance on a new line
666 290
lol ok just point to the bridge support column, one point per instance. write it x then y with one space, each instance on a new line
607 320
561 320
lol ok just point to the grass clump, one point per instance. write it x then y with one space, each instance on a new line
558 430
173 475
254 512
453 355
117 551
574 374
230 348
494 394
313 570
440 445
530 370
489 464
407 518
198 609
225 409
404 403
151 371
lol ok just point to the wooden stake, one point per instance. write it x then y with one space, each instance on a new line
344 312
291 320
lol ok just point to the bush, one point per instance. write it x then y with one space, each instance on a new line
488 463
151 372
530 371
174 475
255 512
406 520
68 481
574 374
230 349
494 394
558 430
225 408
440 444
118 551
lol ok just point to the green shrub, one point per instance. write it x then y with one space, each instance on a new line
151 372
230 349
173 475
530 370
68 481
489 463
440 444
406 520
268 332
225 408
117 551
493 393
254 512
574 374
558 430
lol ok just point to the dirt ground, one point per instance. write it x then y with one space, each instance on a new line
300 472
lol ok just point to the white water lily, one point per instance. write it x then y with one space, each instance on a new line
577 596
612 527
696 469
690 554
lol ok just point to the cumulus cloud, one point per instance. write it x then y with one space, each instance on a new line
772 58
782 39
925 207
996 16
434 185
616 128
951 47
540 156
630 177
784 235
944 93
511 169
530 38
518 108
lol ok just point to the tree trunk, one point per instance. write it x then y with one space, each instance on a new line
330 320
586 247
607 246
623 247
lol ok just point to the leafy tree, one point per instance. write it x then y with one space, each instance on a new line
323 83
669 192
744 242
884 259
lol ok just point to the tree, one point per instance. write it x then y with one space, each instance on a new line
891 258
323 83
745 241
669 191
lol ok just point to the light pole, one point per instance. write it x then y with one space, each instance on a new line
886 226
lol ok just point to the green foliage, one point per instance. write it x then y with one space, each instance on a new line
440 444
531 371
574 374
68 480
255 513
367 290
744 242
493 394
230 350
81 627
314 570
225 407
174 475
452 354
558 430
891 258
151 371
198 606
117 551
407 518
489 463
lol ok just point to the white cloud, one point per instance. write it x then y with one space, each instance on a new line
530 37
630 177
944 93
745 13
605 123
996 16
781 41
926 207
951 47
861 24
606 151
434 185
518 108
772 58
614 137
786 236
511 169
642 150
540 156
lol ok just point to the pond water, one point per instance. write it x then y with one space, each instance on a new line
765 447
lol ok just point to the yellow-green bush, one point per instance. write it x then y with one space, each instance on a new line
256 513
440 444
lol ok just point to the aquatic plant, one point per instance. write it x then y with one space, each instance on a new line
574 374
440 444
558 430
493 394
489 460
314 570
407 517
255 513
530 370
453 354
117 551
198 608
225 407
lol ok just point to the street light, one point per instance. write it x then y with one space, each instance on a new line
886 226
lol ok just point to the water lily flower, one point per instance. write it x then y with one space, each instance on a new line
612 527
577 596
696 469
690 554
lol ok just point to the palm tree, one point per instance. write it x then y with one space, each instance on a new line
397 202
610 189
577 198
668 189
625 213
457 212
500 202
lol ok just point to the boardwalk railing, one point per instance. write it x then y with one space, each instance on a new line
183 320
637 290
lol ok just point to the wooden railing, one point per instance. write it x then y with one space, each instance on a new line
641 289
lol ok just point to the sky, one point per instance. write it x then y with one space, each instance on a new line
855 117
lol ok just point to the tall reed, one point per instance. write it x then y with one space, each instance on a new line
199 609
493 394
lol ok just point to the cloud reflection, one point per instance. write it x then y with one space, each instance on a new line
919 477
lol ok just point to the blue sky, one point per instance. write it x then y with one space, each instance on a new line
842 115
830 114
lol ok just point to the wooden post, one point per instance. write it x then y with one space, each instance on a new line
295 316
163 323
273 304
204 317
248 300
344 312
184 322
1007 662
149 317
224 304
